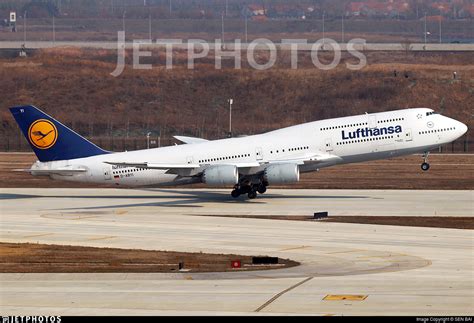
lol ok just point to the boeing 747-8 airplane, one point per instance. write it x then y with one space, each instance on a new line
248 164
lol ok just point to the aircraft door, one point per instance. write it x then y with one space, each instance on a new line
259 153
190 160
408 135
107 173
372 121
329 144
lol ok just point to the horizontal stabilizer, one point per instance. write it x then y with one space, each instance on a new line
58 171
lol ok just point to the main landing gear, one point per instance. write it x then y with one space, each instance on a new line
425 166
251 190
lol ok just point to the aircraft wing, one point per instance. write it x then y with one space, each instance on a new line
190 140
154 165
185 170
177 166
308 160
172 168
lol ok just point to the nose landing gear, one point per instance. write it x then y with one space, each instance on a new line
425 166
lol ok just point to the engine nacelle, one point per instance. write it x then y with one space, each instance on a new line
281 174
224 175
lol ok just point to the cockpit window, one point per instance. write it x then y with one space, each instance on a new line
430 113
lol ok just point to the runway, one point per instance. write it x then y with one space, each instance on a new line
393 270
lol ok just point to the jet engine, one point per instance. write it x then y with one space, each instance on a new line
224 175
281 174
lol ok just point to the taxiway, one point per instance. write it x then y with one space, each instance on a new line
347 269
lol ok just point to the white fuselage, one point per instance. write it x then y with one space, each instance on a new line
349 139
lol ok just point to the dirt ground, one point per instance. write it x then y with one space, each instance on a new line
409 221
448 172
41 258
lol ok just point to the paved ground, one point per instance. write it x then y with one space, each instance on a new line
60 202
395 270
231 46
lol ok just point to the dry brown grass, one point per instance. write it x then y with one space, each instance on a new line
451 222
43 258
76 87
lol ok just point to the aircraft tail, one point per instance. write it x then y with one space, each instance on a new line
50 139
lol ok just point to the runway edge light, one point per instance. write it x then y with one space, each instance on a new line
236 264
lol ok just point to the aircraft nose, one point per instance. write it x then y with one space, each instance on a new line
462 128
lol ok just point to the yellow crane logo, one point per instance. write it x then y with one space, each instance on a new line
42 134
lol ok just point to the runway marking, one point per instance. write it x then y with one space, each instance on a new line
274 298
102 238
348 251
67 216
379 256
345 297
294 248
38 235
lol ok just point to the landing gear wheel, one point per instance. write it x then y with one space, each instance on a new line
245 189
252 194
235 193
425 166
262 189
